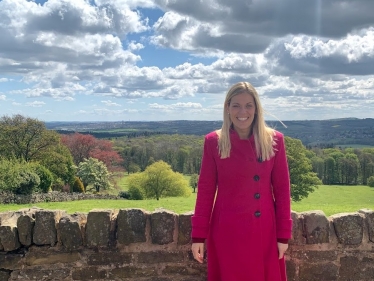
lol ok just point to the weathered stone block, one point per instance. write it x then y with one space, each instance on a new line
9 237
352 268
43 258
318 272
70 233
109 258
184 228
160 256
88 273
98 228
348 228
316 256
369 218
9 232
291 270
45 232
25 225
41 274
11 261
181 269
316 227
297 229
4 274
132 272
131 225
162 227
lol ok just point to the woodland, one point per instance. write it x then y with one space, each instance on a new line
37 158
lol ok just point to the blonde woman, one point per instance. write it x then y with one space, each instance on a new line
243 203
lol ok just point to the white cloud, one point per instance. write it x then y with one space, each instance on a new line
110 103
3 97
35 104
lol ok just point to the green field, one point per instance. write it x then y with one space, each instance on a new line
330 199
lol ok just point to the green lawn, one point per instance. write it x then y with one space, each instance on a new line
333 199
330 199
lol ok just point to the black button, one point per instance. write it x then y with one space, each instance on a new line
257 195
259 159
257 214
256 178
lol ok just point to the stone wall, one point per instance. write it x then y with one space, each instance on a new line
132 244
54 196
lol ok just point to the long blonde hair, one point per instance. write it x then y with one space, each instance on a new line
263 135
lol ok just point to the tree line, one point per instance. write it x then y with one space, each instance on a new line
42 159
348 166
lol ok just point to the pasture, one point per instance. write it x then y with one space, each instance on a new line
331 200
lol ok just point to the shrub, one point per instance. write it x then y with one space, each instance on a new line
371 181
78 185
57 185
18 177
135 193
28 181
124 194
46 177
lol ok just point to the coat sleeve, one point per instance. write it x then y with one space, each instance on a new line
280 179
206 189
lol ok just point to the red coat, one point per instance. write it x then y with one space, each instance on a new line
252 209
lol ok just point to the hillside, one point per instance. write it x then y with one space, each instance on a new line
349 131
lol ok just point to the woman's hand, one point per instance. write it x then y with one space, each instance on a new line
198 251
282 248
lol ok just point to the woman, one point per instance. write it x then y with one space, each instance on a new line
243 201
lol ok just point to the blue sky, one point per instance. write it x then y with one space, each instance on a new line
110 60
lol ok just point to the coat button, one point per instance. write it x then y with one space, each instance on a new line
259 159
257 195
257 214
256 178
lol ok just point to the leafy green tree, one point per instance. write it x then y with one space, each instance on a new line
18 177
59 161
193 181
135 183
159 180
25 138
133 168
303 179
94 172
45 176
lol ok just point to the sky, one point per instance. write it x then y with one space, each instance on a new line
154 60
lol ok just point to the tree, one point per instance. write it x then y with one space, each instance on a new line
303 180
83 146
25 138
94 172
158 180
193 181
60 162
371 181
45 176
18 177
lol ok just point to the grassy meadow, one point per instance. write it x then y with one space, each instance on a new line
331 200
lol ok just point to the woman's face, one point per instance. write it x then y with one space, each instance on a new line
242 111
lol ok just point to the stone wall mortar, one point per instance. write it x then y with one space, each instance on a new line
134 244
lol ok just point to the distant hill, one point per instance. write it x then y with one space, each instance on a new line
345 131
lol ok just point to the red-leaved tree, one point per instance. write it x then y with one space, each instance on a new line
83 146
